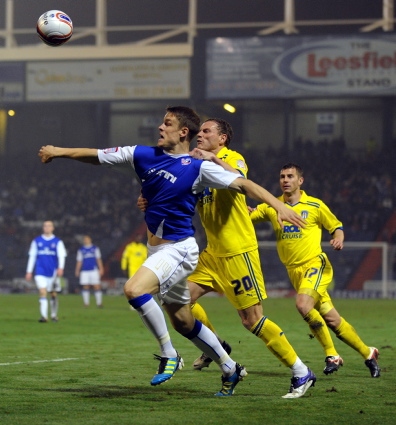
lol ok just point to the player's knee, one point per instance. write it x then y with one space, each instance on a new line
301 308
131 291
304 305
248 322
251 315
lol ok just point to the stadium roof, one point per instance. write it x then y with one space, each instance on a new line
108 29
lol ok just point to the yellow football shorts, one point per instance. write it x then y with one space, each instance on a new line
238 277
313 278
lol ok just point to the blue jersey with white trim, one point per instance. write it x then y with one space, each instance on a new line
170 183
47 256
167 182
88 255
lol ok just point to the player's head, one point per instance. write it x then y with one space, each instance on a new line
181 124
48 227
87 240
291 178
215 133
299 170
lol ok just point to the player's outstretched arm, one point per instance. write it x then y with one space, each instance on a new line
48 153
257 192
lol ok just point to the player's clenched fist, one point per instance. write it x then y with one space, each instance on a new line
46 153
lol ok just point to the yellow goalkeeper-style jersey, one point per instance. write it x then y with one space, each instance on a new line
296 245
134 255
224 215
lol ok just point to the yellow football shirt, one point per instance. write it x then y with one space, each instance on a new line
133 256
224 215
296 245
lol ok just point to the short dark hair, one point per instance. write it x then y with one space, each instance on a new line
187 117
223 127
299 170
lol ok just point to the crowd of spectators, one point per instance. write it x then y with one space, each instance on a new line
79 199
102 203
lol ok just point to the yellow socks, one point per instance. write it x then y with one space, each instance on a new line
275 340
321 332
346 333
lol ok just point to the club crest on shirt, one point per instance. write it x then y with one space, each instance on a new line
241 164
110 150
304 214
185 161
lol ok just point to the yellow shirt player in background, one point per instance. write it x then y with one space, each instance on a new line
309 269
133 256
230 264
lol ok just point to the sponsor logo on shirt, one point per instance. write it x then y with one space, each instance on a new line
241 164
45 251
167 175
110 150
291 232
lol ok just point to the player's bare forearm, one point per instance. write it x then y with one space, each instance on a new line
100 267
48 153
255 191
337 242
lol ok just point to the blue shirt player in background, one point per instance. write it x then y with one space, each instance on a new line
47 255
171 181
89 268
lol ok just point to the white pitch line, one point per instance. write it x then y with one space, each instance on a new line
40 361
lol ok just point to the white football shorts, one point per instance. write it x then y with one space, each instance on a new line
172 263
51 284
90 277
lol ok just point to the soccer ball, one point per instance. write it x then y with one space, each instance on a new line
54 28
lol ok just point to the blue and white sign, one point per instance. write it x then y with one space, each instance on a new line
266 67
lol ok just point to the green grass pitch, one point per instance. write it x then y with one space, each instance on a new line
95 365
